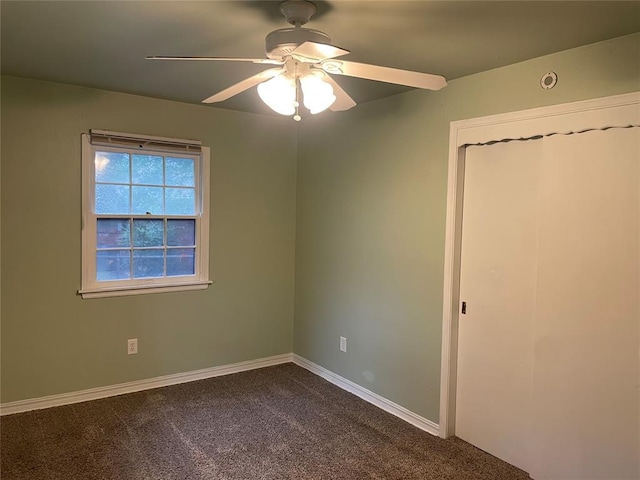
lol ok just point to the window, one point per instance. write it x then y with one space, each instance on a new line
145 214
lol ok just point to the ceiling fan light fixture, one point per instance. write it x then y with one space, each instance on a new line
279 94
317 94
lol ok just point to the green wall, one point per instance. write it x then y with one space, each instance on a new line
52 340
371 200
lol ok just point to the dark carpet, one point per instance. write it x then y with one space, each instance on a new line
275 423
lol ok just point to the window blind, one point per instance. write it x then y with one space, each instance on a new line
116 139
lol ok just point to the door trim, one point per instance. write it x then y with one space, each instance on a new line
563 118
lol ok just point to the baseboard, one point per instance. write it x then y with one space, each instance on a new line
369 396
130 387
166 380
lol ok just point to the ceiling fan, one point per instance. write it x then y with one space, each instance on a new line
304 59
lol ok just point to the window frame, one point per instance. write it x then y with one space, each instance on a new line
102 140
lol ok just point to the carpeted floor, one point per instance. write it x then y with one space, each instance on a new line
275 423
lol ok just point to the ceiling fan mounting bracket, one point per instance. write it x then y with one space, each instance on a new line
297 12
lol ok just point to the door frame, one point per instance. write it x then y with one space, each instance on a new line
564 118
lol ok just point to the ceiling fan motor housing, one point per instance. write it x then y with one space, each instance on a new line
281 43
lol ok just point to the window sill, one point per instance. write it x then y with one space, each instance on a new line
142 290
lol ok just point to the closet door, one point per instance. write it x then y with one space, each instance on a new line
498 286
585 390
548 364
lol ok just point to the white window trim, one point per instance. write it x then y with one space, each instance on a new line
91 288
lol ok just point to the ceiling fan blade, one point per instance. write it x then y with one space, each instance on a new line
243 85
343 100
384 74
266 61
314 52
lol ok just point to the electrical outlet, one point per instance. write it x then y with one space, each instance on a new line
343 344
132 346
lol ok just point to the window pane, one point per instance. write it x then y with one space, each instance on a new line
113 264
181 232
180 201
147 200
180 172
112 167
180 261
113 233
147 169
148 263
148 233
112 199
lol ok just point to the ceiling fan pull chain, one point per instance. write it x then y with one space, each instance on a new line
297 116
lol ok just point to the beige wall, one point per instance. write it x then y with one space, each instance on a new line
371 216
52 340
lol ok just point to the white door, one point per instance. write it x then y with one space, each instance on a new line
498 285
586 422
548 367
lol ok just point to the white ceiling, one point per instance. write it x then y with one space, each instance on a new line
102 44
